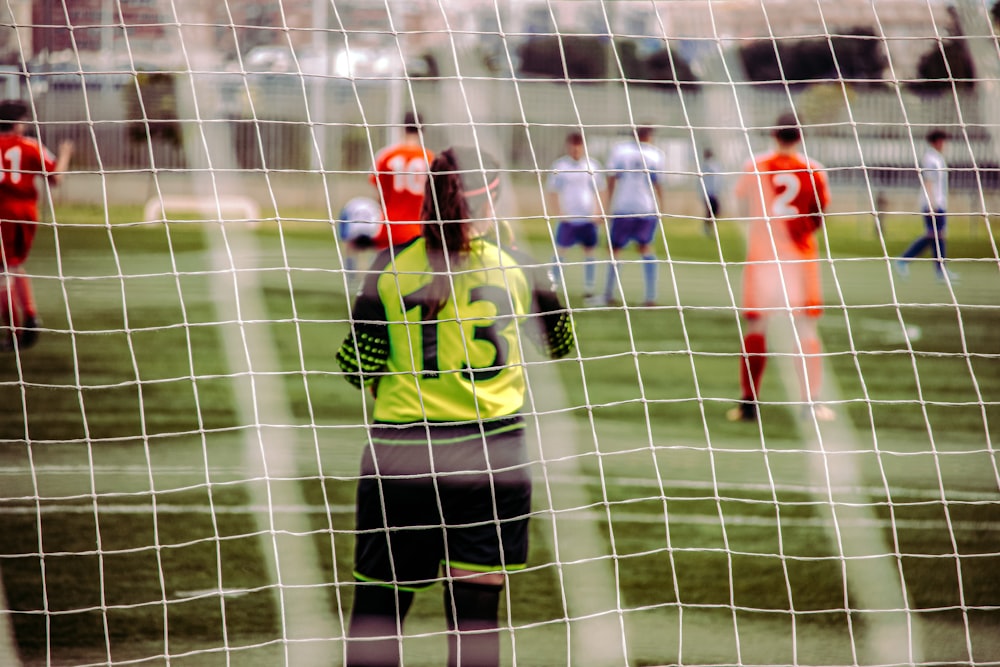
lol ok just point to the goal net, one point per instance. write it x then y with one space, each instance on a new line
715 482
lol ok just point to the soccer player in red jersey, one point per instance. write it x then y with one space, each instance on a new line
782 194
22 159
400 176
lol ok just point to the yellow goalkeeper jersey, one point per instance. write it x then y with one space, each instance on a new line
466 362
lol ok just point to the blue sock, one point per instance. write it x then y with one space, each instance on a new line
649 272
350 264
611 287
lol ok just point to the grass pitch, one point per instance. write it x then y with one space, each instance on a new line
128 529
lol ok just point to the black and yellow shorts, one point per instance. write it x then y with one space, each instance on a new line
457 495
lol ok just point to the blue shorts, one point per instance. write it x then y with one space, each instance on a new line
576 232
628 228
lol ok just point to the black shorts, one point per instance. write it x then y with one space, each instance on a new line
460 497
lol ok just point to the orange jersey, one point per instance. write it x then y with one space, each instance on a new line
400 177
784 196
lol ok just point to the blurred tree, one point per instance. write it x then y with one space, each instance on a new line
666 66
945 63
152 108
585 55
859 55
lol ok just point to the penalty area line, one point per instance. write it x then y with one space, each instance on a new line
878 593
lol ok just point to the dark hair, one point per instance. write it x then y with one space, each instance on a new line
644 133
411 122
936 135
12 111
574 139
786 129
461 179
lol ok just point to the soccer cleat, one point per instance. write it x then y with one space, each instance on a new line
28 332
594 301
902 268
948 276
819 412
746 411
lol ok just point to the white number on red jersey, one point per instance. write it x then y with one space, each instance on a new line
10 163
783 205
408 175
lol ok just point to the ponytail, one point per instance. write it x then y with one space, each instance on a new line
446 214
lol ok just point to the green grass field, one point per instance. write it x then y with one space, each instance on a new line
131 523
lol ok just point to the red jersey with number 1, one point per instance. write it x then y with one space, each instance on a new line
400 177
784 196
22 160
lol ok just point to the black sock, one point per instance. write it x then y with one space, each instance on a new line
376 625
471 607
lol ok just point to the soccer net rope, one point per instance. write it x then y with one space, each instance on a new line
180 451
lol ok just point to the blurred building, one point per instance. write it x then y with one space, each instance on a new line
145 30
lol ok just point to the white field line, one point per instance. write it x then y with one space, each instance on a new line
238 474
575 515
307 625
873 580
589 585
270 451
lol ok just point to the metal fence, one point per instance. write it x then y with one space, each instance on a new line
290 123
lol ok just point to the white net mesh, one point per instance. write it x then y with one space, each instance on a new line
179 449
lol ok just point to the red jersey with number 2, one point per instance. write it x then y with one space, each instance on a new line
784 196
22 160
400 177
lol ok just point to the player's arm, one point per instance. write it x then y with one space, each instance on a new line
365 351
556 334
612 181
602 199
552 201
63 156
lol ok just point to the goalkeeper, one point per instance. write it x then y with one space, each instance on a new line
782 194
445 479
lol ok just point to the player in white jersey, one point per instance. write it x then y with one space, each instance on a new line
574 189
934 206
636 194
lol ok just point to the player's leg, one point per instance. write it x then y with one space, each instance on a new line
918 246
711 213
622 229
390 564
472 607
564 241
376 625
487 517
650 267
6 311
24 299
753 361
25 313
8 300
809 350
588 239
939 245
